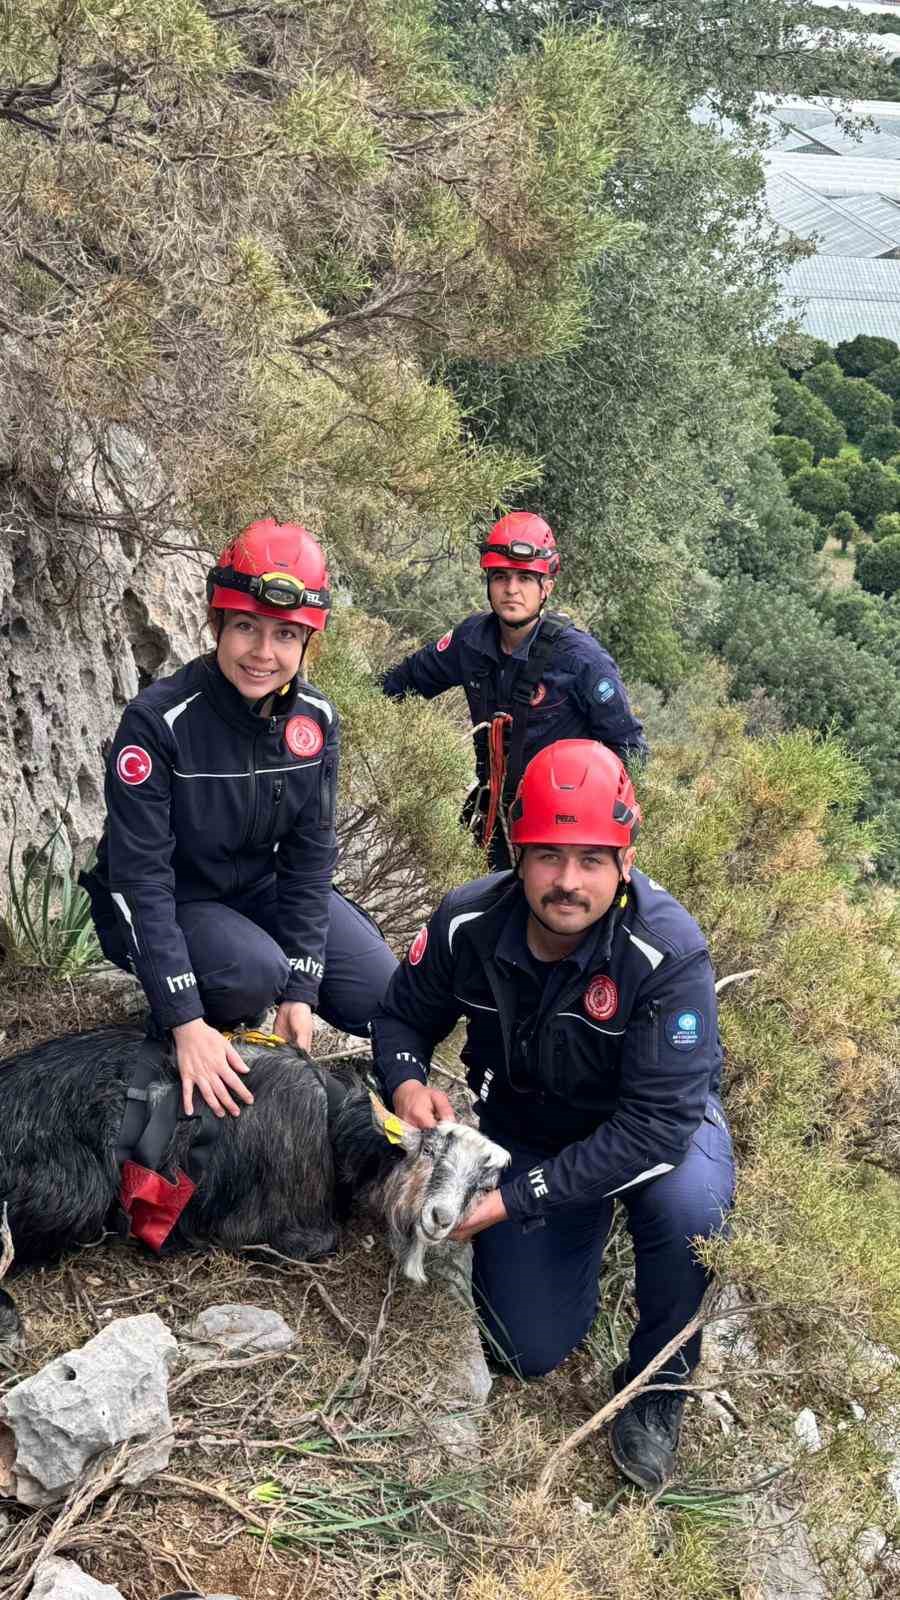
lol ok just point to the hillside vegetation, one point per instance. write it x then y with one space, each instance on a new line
388 272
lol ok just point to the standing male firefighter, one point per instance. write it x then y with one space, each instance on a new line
592 1049
530 676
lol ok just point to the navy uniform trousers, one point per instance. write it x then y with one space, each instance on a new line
536 1288
241 970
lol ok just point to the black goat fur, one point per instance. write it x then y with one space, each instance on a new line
277 1175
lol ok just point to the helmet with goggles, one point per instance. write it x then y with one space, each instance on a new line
575 792
276 569
522 541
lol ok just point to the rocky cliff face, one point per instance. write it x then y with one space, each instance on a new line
72 653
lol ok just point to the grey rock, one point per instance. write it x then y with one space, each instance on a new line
788 1568
111 1391
230 1329
870 1546
806 1430
58 1579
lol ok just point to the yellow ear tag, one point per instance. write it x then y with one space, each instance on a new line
393 1128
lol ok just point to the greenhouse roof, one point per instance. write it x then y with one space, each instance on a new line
837 178
865 225
836 297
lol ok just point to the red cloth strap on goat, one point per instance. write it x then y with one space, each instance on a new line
151 1203
497 749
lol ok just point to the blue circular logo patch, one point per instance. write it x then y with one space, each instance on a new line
685 1029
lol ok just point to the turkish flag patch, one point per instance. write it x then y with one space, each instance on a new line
133 764
303 737
417 948
601 998
443 643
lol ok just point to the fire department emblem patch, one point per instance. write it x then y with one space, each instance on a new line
443 643
540 694
133 764
303 737
601 998
417 948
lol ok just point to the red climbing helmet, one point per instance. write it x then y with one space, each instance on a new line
523 541
575 792
276 569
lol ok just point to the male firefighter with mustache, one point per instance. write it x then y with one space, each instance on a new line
530 676
592 1050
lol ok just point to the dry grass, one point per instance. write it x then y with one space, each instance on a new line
273 1454
836 566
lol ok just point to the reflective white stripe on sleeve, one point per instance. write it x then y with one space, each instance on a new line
457 922
172 716
122 904
653 955
313 700
642 1177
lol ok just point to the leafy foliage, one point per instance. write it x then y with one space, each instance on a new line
845 529
48 917
823 680
242 235
791 454
820 492
860 356
806 416
878 565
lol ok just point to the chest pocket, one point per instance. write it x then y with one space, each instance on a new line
581 1066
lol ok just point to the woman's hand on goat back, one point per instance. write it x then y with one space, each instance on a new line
294 1022
206 1061
420 1105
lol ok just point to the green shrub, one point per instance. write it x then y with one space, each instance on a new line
878 566
880 443
823 380
405 769
860 356
886 526
48 917
804 416
860 407
845 529
887 378
873 491
790 453
773 638
819 492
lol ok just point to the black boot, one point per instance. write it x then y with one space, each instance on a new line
643 1438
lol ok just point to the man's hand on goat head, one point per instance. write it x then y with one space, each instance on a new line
420 1105
483 1214
294 1022
206 1061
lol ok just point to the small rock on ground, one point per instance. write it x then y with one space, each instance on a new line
58 1579
806 1430
227 1329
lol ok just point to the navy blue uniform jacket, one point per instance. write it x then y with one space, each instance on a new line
207 801
605 1066
581 695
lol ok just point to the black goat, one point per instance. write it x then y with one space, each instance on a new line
281 1174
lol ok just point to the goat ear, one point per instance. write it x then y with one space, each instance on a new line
396 1132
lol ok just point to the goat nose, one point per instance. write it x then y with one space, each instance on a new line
437 1218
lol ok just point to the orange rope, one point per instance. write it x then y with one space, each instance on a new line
497 750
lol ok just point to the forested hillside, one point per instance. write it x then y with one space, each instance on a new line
389 269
